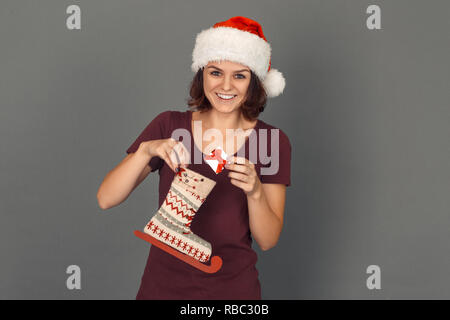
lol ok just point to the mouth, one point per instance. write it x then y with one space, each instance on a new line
226 97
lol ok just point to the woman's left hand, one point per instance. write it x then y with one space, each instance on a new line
243 175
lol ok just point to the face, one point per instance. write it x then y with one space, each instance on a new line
228 79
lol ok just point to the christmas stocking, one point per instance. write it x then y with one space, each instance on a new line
171 223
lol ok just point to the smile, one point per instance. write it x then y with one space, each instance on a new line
225 97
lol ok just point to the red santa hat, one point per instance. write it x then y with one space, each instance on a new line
241 40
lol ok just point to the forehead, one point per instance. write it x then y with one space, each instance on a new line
227 65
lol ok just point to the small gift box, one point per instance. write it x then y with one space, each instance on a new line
216 159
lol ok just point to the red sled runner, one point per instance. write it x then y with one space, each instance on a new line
216 261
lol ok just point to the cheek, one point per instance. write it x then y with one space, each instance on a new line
243 88
208 84
205 84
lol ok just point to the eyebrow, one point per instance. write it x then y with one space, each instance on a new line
222 70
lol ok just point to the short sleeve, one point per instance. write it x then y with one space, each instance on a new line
155 130
283 174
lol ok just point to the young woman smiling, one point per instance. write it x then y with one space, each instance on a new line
230 88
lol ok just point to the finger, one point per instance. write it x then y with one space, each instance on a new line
186 156
172 142
166 158
173 155
238 160
179 155
183 154
167 147
240 164
237 167
238 183
238 176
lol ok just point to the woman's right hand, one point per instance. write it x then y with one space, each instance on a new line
173 152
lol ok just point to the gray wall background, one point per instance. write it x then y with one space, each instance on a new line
366 111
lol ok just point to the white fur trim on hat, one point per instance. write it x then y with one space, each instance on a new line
226 43
274 83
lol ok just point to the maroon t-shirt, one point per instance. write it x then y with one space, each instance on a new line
222 220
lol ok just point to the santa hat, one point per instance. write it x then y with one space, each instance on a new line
241 40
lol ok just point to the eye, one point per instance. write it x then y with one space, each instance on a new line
217 73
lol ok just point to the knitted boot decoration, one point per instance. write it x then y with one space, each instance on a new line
171 223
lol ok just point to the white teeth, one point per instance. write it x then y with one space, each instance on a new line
225 96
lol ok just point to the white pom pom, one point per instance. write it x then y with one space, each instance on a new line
274 83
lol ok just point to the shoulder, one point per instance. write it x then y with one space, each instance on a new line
171 118
282 136
173 115
164 116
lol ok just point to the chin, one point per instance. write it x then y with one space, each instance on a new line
225 109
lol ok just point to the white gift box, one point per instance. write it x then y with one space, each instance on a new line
217 154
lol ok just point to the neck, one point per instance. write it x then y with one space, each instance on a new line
223 121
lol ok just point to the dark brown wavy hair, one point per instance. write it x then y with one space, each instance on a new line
251 107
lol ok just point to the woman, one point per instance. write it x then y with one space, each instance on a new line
233 79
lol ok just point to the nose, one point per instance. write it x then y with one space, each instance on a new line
226 84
